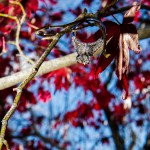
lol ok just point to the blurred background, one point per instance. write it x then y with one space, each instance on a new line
64 109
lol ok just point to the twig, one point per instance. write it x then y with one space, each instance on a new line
103 11
18 31
10 17
116 11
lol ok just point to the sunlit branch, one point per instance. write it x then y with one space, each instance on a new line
19 25
18 31
10 17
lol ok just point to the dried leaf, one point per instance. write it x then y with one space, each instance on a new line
124 37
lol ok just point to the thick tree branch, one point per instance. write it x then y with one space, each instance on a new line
46 67
144 33
55 64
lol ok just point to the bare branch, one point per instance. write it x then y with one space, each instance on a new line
19 25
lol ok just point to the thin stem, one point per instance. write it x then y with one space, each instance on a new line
19 25
116 19
18 32
10 17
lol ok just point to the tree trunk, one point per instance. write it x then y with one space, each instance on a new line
118 140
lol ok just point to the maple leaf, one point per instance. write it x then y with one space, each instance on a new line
30 6
121 38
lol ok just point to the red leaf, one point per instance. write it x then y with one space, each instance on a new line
77 11
7 28
88 2
111 47
119 113
30 6
139 122
27 99
57 16
26 130
103 63
105 140
103 97
62 78
84 111
53 2
139 80
44 96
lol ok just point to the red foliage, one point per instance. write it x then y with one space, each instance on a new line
57 16
103 97
26 130
27 99
119 113
7 25
140 79
84 111
146 2
44 96
88 2
112 29
5 63
61 78
30 7
77 11
105 140
53 2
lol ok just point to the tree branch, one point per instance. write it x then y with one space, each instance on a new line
116 11
55 64
118 140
